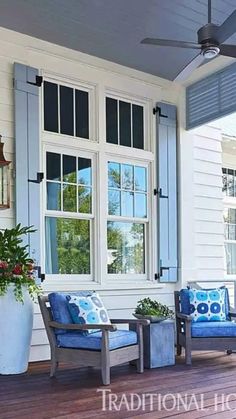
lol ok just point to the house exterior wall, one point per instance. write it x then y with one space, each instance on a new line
200 204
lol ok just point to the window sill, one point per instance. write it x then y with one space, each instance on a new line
73 285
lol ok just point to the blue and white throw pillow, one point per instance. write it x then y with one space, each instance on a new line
87 309
207 305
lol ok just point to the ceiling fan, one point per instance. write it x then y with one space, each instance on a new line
210 43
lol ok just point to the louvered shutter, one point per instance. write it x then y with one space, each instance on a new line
211 98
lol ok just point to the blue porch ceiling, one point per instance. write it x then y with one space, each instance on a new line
113 29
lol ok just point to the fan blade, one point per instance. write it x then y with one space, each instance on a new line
170 43
227 29
228 50
186 72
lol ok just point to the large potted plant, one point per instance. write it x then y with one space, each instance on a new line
18 290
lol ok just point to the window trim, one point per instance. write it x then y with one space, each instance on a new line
73 215
136 100
148 226
103 151
75 85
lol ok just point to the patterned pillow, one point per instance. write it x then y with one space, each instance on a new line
207 305
87 309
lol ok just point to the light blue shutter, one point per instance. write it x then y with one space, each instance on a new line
211 98
167 192
27 148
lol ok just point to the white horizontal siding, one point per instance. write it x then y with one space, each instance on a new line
208 204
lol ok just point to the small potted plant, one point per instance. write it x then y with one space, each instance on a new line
153 311
18 290
159 336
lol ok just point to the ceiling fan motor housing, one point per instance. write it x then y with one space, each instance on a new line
207 35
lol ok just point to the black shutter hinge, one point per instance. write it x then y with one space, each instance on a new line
160 274
39 273
38 82
157 109
39 179
159 193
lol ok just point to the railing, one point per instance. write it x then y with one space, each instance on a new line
230 284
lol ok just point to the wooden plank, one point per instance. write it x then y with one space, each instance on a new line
73 394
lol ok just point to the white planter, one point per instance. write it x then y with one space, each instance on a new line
16 323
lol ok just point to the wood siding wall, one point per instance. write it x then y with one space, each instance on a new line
208 203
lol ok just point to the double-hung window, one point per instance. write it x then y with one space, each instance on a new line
229 190
127 221
69 213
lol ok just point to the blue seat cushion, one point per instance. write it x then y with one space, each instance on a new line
213 329
117 339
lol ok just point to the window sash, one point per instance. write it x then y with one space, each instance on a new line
83 87
136 220
132 102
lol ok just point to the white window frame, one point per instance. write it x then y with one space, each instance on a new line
229 203
75 85
146 221
133 100
73 215
102 153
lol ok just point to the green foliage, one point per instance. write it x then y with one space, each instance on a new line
16 267
148 307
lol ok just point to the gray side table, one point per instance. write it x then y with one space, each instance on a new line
159 344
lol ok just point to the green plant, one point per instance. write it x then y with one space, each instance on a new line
16 267
148 307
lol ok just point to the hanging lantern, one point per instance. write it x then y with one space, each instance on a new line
4 179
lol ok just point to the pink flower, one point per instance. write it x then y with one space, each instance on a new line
17 270
3 265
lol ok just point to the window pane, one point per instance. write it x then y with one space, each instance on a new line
127 176
66 110
140 205
53 196
137 114
230 253
125 123
84 171
67 246
82 113
113 175
53 166
50 106
111 121
85 199
140 178
69 169
125 243
69 198
127 205
113 202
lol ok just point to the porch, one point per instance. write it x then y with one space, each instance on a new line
209 383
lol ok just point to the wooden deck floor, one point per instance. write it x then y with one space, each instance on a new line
210 385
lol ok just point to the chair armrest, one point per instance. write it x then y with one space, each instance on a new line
185 317
232 313
84 326
143 322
